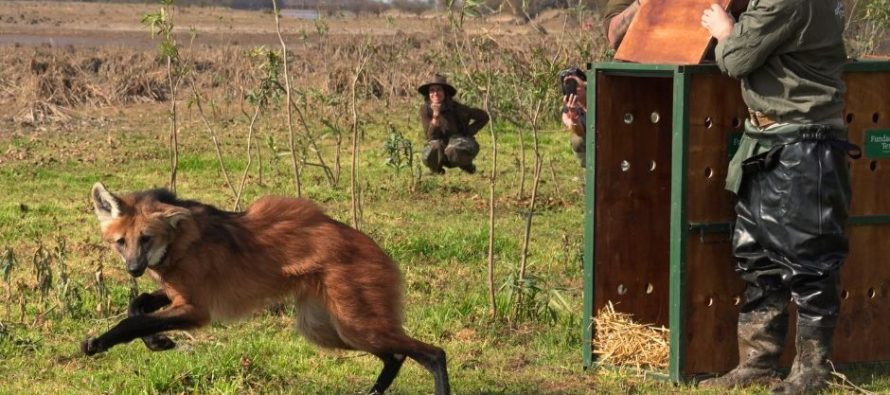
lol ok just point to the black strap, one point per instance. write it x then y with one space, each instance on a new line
821 133
852 150
826 133
764 161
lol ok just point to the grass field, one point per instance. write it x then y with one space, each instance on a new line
438 234
65 285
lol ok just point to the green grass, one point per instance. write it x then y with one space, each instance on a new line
437 231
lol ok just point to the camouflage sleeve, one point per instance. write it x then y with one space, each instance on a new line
614 7
617 20
766 25
479 119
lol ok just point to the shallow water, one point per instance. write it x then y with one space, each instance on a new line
300 14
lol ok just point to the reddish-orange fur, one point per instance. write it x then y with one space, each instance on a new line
222 266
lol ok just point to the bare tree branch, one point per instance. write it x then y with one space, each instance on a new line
290 127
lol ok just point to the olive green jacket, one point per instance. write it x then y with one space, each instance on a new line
789 55
613 8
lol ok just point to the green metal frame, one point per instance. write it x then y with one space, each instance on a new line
678 219
867 65
679 227
589 206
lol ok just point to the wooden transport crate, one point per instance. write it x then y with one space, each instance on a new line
658 221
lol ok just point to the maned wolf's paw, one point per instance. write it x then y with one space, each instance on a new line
90 346
158 342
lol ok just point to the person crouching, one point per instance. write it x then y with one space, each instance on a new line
449 127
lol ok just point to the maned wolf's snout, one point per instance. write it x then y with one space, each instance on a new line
136 266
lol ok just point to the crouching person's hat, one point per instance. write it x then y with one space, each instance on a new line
437 79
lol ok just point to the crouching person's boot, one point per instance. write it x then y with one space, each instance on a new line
761 339
811 370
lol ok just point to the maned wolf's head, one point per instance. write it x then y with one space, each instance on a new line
138 226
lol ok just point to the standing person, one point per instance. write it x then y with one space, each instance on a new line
449 127
574 111
791 178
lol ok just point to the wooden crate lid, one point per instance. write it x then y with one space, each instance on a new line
670 32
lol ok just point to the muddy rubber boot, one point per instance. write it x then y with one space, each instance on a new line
761 339
811 370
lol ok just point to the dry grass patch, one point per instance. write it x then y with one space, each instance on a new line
621 341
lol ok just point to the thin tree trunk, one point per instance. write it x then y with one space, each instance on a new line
555 179
527 238
531 211
337 155
290 128
356 204
338 148
521 193
259 162
493 308
174 134
256 114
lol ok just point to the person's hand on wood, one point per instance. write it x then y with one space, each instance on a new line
717 21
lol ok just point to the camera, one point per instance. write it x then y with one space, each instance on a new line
569 86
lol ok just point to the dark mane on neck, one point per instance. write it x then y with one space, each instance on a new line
217 225
165 196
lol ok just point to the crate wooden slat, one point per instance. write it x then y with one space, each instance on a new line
631 200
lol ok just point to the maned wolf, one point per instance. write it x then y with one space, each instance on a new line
212 264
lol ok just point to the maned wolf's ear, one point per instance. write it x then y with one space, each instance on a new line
174 215
106 205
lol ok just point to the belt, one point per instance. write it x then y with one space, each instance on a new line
815 132
760 119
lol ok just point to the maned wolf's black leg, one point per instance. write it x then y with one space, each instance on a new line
433 359
180 317
148 303
391 365
435 363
